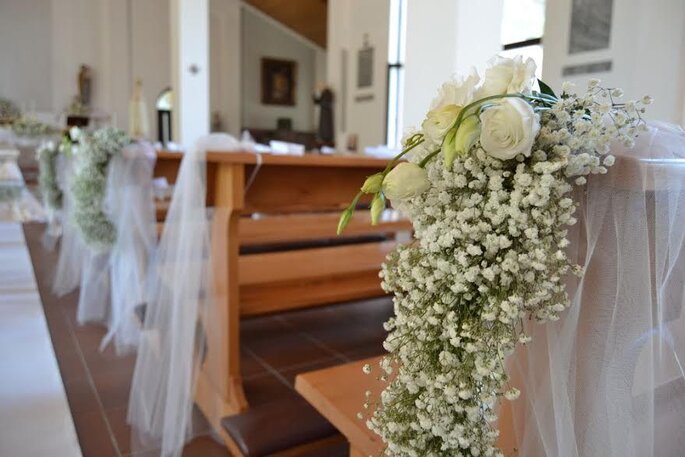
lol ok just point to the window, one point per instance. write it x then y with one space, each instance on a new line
523 24
164 105
396 47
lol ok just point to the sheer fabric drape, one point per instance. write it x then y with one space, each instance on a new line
111 282
607 379
71 250
129 204
179 292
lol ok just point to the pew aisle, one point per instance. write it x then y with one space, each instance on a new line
34 414
274 350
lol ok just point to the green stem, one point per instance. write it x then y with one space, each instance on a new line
428 158
401 154
355 200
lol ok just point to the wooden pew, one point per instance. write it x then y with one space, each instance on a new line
292 201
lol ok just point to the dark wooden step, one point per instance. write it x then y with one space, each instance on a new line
277 426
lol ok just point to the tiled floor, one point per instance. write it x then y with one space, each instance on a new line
275 349
34 414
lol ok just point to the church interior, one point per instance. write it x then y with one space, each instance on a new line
176 278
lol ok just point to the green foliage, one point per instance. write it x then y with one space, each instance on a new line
47 179
93 157
545 89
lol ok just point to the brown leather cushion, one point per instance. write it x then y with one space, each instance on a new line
276 426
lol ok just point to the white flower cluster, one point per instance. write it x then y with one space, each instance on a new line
90 181
47 155
489 253
30 127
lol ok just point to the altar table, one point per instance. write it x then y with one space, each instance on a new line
274 201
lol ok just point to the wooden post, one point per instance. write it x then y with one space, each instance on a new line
220 391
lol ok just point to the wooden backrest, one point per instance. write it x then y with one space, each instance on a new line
290 212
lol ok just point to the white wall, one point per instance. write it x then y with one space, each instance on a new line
151 57
262 38
48 40
445 37
190 70
647 49
75 41
25 68
348 22
225 59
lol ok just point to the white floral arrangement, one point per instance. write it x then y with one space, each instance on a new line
93 156
47 155
9 111
488 190
31 128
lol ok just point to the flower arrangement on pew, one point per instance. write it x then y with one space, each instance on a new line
90 181
31 128
488 190
47 155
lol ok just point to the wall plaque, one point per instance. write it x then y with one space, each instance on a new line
590 25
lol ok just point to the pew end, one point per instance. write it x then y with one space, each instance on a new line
274 248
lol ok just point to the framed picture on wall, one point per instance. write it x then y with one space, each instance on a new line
590 25
365 65
279 79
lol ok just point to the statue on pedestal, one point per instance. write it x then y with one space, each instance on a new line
85 83
324 99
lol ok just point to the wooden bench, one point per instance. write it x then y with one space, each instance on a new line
293 203
338 393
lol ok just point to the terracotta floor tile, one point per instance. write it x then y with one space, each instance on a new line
249 366
71 366
89 337
265 388
123 434
344 340
107 360
63 346
120 428
152 453
335 450
365 353
291 373
94 437
81 396
285 350
309 319
205 446
262 328
113 386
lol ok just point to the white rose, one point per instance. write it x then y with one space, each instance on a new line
439 121
458 92
508 76
75 134
404 181
509 128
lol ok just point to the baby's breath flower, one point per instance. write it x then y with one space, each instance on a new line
490 253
